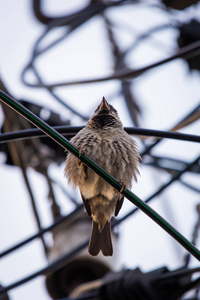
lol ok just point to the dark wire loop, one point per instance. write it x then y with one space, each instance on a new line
186 52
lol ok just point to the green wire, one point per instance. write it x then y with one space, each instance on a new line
62 141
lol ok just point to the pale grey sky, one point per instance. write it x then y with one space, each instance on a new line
166 94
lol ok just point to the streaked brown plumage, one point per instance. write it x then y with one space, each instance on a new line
104 141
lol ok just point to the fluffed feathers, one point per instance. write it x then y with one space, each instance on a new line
105 142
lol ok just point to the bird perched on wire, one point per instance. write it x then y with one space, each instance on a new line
104 140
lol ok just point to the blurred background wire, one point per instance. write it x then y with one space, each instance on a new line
130 44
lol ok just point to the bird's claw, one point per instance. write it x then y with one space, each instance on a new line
123 188
79 155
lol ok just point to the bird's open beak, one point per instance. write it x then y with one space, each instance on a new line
104 104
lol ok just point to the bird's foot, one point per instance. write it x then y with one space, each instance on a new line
80 152
123 188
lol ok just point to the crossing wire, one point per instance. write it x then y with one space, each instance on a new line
70 131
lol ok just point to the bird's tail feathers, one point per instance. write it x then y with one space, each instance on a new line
100 240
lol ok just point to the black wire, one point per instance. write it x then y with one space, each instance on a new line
160 190
168 164
179 273
54 95
70 131
36 133
192 285
149 147
73 21
146 35
65 20
190 186
43 18
190 114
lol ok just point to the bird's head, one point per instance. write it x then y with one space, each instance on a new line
105 116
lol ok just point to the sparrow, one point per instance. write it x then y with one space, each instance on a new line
104 140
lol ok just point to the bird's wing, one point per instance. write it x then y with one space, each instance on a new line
118 205
87 207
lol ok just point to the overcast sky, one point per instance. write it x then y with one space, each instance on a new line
165 95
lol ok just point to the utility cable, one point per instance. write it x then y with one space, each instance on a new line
190 186
182 123
160 189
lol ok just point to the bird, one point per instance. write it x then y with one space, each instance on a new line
105 141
